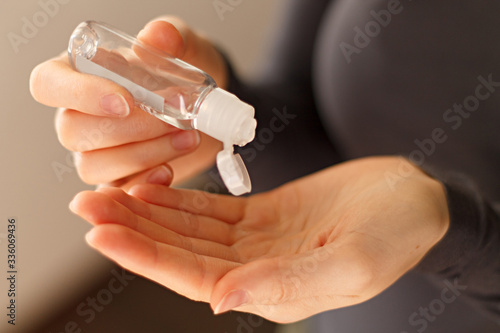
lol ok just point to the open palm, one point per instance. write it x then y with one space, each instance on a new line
329 240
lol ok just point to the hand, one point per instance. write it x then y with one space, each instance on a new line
113 140
333 239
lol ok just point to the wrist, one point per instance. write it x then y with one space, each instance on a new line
434 194
435 216
439 200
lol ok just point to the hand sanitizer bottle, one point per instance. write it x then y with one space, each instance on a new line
169 89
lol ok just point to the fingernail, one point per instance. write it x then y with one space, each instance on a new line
115 105
185 139
232 300
160 176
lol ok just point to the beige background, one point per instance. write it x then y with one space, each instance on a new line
54 263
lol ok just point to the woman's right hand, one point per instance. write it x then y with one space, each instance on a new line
114 142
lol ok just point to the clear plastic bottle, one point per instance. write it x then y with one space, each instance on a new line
169 89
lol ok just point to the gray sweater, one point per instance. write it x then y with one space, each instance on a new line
354 78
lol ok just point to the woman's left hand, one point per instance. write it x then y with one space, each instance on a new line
333 239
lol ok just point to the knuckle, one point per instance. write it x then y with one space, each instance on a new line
172 19
78 132
36 82
85 169
63 125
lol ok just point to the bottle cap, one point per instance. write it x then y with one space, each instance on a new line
226 118
233 172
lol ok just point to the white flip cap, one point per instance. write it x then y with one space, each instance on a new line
226 118
233 172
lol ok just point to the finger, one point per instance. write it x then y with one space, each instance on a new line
78 131
161 175
318 280
164 36
185 272
193 164
55 83
172 35
104 165
98 208
183 223
221 207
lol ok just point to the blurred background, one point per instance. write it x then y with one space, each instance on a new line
58 275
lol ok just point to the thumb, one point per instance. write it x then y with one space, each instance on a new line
286 288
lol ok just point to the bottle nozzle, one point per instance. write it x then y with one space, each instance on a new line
246 132
224 117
